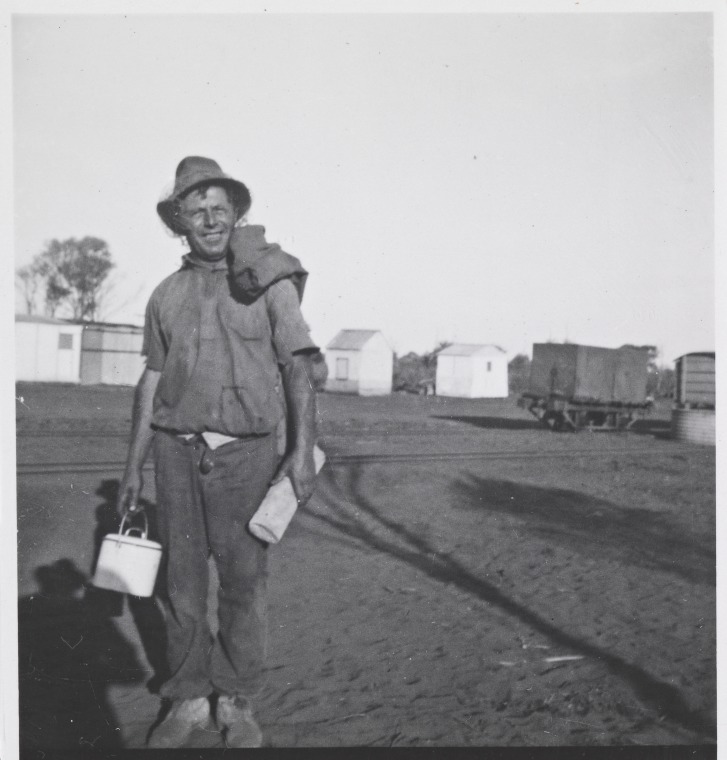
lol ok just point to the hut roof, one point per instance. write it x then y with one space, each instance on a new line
705 354
352 340
41 320
471 349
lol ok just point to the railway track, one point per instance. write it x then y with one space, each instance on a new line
46 468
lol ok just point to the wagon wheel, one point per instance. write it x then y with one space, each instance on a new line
547 420
581 419
559 421
597 419
624 421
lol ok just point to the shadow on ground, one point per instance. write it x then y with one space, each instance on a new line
71 650
492 423
596 527
357 518
655 428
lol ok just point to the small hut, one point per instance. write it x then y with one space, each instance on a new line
360 361
693 415
47 349
467 370
695 379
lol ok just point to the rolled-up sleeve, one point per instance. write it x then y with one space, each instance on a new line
153 345
290 332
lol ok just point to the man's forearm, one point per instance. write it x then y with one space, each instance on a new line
301 397
142 433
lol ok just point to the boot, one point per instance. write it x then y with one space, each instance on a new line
235 720
185 717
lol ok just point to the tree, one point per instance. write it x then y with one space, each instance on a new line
414 373
430 359
73 272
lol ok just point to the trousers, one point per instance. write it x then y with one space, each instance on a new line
205 499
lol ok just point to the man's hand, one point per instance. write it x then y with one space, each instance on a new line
129 493
299 466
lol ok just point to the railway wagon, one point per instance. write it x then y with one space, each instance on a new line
573 387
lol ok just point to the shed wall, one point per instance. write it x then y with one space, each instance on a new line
376 368
468 376
695 376
490 383
111 355
42 355
336 384
454 376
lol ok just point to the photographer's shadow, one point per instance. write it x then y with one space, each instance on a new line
68 655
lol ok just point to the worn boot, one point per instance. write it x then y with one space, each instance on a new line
234 719
185 717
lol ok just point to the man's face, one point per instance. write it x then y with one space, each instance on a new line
209 217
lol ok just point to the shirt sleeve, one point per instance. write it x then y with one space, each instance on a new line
153 346
290 332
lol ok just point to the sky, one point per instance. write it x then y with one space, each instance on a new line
505 178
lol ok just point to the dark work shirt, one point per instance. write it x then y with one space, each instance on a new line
219 358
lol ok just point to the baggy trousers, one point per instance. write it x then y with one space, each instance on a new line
202 512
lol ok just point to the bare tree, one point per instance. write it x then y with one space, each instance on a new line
29 281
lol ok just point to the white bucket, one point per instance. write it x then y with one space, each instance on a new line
128 564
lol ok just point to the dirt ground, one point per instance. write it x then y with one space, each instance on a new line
558 591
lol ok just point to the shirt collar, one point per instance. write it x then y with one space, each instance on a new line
189 261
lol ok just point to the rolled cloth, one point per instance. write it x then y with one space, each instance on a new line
257 264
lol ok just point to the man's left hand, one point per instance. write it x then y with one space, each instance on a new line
299 466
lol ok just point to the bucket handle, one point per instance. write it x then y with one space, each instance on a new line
126 516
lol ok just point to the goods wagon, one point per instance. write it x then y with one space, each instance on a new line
573 387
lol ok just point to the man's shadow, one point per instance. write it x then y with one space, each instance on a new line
145 611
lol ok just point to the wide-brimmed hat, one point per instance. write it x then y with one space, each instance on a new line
192 172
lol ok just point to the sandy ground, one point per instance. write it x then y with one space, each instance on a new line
526 600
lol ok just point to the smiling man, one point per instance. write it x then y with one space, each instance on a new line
227 403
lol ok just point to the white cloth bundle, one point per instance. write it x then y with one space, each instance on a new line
278 507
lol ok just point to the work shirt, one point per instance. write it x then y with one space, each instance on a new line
219 358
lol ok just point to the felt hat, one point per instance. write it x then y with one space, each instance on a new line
192 172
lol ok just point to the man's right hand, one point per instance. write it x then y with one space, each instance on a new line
129 493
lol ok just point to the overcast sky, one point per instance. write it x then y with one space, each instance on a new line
485 178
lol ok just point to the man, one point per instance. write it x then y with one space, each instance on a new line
228 364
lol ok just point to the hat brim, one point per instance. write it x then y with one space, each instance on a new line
238 192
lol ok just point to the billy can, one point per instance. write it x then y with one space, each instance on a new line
127 563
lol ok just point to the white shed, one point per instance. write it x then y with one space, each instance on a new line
111 354
468 370
360 361
47 349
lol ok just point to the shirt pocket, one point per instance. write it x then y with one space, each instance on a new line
245 322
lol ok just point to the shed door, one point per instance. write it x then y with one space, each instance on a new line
342 368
